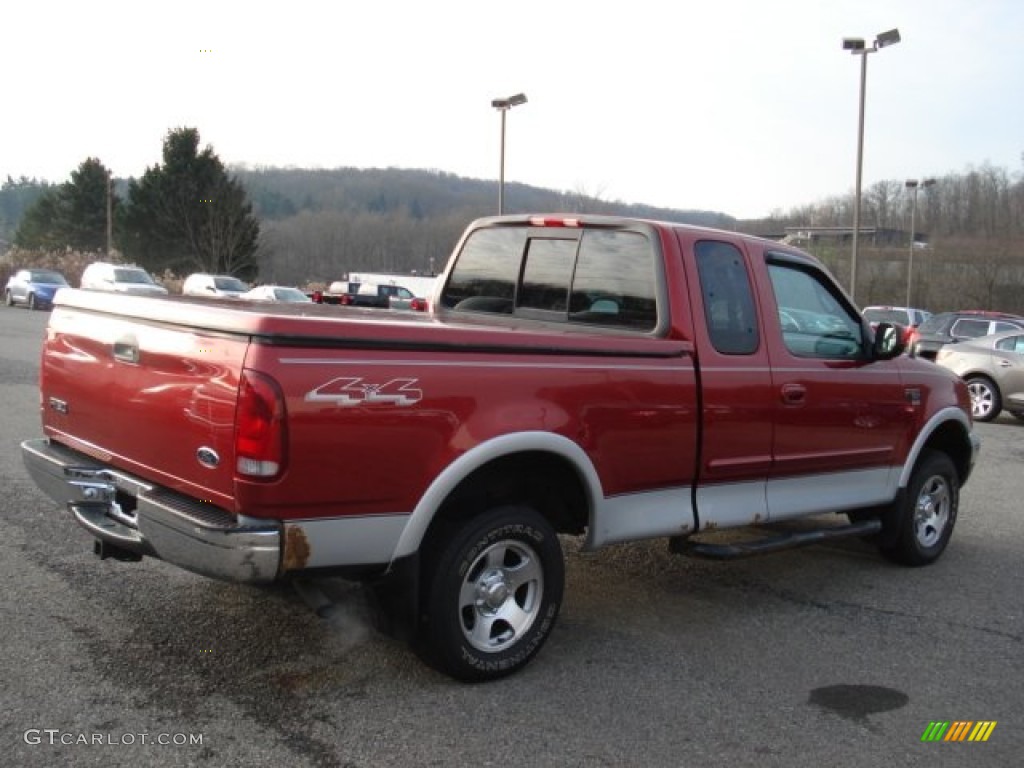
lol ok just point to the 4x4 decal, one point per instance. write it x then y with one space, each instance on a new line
354 390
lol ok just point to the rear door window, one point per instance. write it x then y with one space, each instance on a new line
728 298
1013 344
1000 327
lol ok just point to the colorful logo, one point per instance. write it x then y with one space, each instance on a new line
958 730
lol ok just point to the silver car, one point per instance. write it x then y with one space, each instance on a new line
993 367
276 293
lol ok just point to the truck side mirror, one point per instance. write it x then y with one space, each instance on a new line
888 342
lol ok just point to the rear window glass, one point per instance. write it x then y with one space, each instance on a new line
887 316
934 324
47 278
131 276
486 272
229 284
614 282
547 272
600 277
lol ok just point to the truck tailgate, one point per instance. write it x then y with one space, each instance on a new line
151 398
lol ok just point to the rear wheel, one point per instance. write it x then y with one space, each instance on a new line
985 400
929 512
493 589
1018 415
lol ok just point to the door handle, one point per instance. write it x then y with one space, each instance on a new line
126 349
794 394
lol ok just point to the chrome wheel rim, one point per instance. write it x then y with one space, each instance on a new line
500 596
982 399
931 512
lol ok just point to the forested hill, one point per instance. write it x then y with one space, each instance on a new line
317 225
277 193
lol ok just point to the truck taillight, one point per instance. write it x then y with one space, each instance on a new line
419 305
259 427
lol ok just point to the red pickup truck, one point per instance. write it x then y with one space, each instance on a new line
609 378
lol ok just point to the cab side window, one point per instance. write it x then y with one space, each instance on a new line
815 321
728 298
970 328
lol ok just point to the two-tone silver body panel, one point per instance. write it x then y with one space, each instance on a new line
131 514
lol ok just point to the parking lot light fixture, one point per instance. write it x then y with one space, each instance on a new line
914 185
503 106
857 47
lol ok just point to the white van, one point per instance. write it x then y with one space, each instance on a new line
121 278
201 284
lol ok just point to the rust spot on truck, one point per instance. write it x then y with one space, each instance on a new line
296 549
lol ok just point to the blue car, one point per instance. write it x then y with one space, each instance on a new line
34 288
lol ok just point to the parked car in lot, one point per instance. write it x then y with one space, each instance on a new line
120 278
908 318
276 293
993 367
373 295
223 286
33 287
951 327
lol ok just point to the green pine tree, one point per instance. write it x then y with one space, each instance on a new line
188 215
73 215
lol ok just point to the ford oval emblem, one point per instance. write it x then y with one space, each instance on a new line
208 457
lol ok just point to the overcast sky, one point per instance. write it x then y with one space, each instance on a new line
740 106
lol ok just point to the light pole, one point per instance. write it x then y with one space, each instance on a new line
503 106
110 212
855 45
914 185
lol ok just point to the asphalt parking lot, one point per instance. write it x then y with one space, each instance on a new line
821 656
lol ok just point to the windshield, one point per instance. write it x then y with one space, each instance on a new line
48 278
228 283
138 276
290 294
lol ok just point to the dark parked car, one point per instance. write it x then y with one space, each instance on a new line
33 287
951 327
993 367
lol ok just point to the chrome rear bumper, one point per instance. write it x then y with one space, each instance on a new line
128 513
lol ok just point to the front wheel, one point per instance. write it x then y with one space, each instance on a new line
8 299
985 400
32 304
493 590
929 512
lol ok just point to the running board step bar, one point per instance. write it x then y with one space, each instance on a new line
684 545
